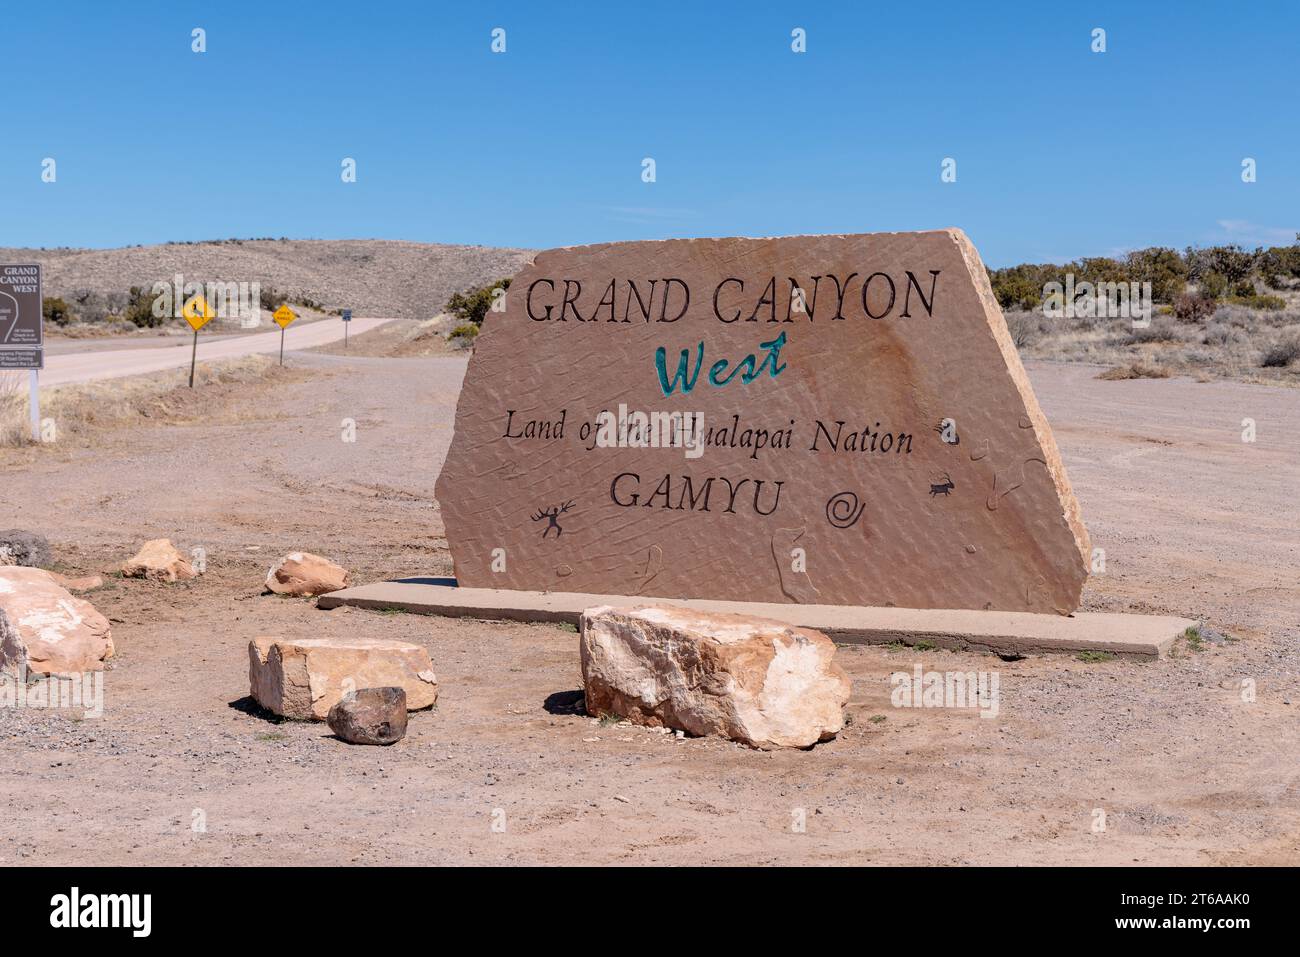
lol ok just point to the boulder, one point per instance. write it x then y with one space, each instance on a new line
370 716
304 677
760 682
44 629
158 560
303 574
24 548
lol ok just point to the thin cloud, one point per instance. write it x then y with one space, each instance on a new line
1244 231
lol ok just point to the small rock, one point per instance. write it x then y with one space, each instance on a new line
302 575
370 716
24 548
158 560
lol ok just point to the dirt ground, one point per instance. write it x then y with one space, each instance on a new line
1194 521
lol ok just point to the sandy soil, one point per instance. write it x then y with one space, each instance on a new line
1193 520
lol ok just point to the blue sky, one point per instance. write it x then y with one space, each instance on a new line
1061 152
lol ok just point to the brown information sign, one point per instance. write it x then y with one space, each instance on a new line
22 335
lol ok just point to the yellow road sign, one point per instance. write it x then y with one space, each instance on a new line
198 313
284 315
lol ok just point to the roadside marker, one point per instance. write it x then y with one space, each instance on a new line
22 330
198 314
283 316
347 320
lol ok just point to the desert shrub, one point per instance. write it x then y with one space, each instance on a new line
1025 327
1282 354
56 311
1136 370
139 308
1221 334
472 305
1265 303
1213 285
1233 263
89 306
1156 331
1098 269
268 298
1277 264
1194 308
466 330
1160 266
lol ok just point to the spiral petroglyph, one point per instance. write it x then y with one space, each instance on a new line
843 509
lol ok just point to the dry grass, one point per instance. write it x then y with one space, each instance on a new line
1136 370
14 429
1236 342
78 412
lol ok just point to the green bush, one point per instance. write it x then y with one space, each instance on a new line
1162 267
56 311
139 308
466 330
472 305
1214 285
1264 303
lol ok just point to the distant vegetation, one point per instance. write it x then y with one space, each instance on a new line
472 305
1220 273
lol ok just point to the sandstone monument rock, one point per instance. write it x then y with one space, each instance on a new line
303 574
46 629
370 716
304 677
18 547
756 681
158 560
814 419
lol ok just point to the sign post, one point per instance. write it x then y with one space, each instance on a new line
198 314
283 316
347 321
22 330
34 403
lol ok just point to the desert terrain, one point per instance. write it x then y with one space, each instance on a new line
374 277
253 464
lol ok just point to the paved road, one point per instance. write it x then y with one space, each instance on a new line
115 363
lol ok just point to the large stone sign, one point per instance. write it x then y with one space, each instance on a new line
818 419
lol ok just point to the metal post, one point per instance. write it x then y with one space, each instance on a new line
194 355
282 345
35 402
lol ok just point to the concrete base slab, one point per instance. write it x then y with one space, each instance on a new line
1000 632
